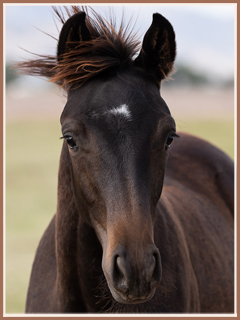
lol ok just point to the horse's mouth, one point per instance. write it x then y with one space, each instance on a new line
127 299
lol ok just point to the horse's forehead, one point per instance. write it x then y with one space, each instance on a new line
122 110
115 99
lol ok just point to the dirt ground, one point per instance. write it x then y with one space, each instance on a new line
184 103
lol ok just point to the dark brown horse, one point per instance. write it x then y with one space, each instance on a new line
139 227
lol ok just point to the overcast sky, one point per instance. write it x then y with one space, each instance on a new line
204 33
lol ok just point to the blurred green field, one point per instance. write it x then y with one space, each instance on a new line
32 157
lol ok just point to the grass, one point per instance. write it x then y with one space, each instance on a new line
32 157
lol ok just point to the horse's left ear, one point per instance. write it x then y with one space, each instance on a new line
73 32
158 49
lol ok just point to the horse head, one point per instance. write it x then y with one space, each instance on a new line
117 131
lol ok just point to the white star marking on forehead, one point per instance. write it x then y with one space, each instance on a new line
122 109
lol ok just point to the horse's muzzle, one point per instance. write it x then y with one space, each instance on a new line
133 277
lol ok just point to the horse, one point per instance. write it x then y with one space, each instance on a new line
143 225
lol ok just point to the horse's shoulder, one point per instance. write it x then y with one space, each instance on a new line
47 242
196 156
198 165
43 276
197 151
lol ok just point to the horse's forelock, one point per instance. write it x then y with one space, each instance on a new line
109 48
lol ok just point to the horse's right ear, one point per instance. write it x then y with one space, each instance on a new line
158 49
73 32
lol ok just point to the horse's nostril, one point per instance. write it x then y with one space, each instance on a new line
157 272
119 275
135 279
151 268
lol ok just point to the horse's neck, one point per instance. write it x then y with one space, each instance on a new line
77 247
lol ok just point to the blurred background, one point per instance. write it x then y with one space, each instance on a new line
200 96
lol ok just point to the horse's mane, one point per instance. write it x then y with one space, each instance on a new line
107 49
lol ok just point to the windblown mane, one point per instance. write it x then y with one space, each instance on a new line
108 49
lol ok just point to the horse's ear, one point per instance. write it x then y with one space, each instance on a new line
158 49
73 32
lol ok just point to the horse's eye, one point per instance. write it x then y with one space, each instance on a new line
71 142
169 141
